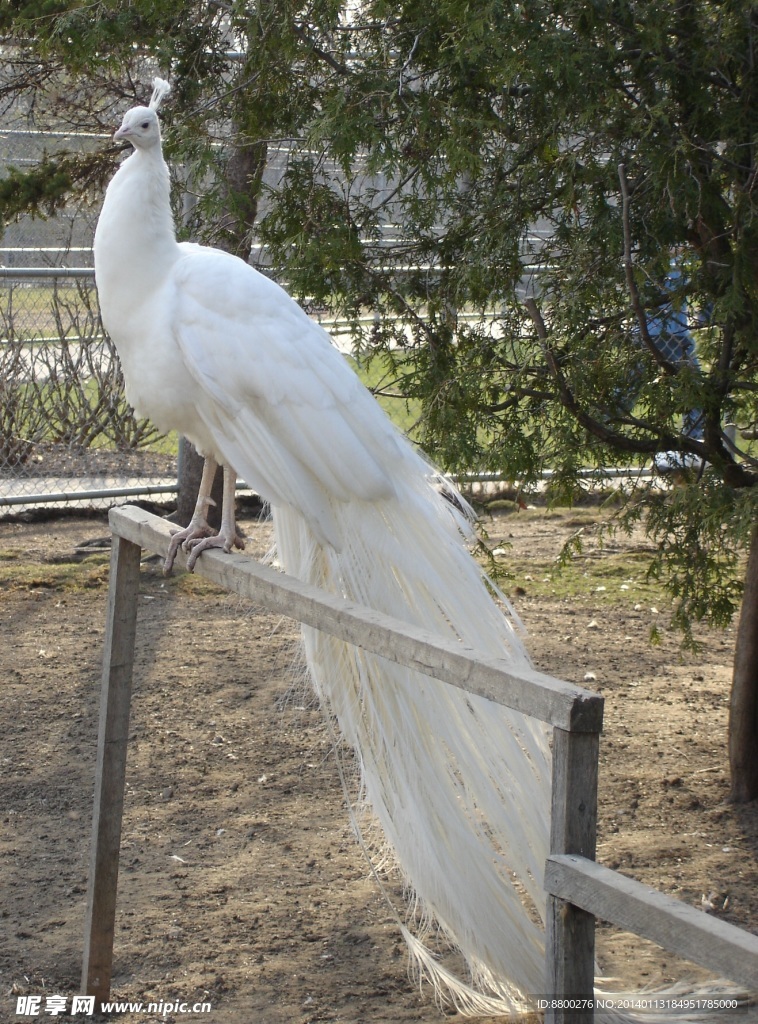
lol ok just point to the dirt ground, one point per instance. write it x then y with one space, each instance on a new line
241 884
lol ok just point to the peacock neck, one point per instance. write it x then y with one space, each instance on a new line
136 227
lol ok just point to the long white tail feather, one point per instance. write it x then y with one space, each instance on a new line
459 785
469 999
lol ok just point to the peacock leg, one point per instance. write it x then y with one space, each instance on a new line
227 537
197 535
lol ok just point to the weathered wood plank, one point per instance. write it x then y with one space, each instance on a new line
569 949
570 930
573 822
716 945
113 733
551 700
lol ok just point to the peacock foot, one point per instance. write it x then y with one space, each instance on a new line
196 531
225 539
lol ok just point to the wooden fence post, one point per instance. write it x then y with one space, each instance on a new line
113 734
570 932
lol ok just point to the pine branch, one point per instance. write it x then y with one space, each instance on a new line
666 365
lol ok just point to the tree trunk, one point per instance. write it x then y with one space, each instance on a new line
244 173
743 709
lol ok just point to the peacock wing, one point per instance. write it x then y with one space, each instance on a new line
282 404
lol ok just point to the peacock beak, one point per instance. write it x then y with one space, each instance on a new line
121 133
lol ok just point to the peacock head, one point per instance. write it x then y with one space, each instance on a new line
140 127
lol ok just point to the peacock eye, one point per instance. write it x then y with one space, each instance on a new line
145 125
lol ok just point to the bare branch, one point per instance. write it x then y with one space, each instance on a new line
336 65
404 68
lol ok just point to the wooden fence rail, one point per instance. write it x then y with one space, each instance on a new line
577 888
714 944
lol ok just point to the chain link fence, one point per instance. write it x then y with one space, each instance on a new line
67 433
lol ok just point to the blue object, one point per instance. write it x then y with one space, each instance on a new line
668 328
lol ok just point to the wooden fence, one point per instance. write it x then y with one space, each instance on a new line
578 889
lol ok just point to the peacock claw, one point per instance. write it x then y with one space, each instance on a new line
198 538
195 532
197 545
